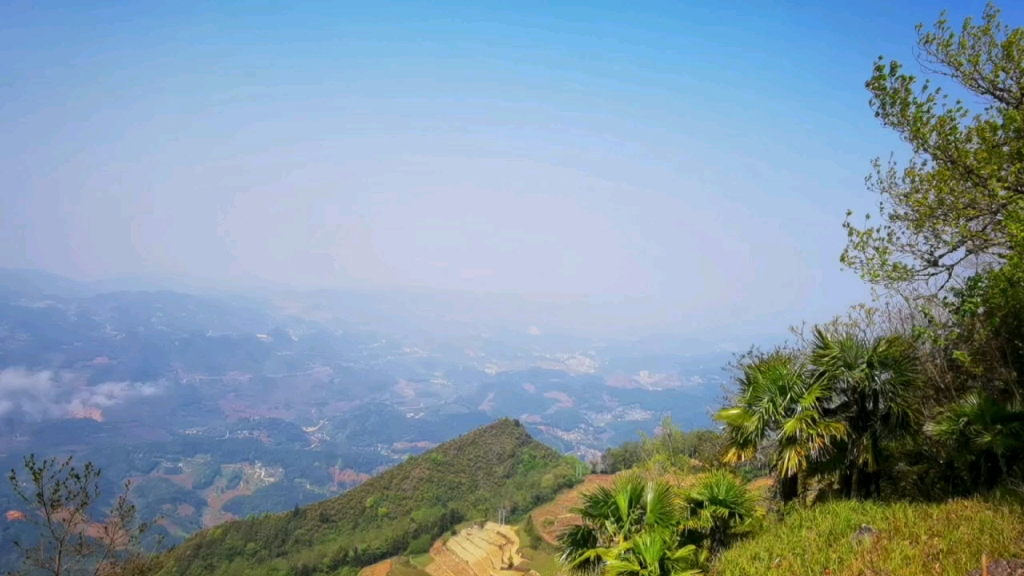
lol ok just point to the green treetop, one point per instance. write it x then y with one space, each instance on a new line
943 213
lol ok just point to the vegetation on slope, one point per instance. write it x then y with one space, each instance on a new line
896 413
918 397
644 524
497 466
912 539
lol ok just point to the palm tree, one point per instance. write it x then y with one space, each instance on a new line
718 507
630 528
872 386
654 553
780 403
987 432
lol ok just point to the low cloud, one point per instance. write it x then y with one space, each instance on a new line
47 395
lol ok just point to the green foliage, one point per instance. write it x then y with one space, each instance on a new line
628 455
944 212
276 497
829 411
613 518
718 508
651 553
671 449
985 435
985 329
779 403
873 388
648 527
420 545
152 496
233 480
497 466
206 478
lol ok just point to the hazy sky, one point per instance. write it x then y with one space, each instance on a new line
697 155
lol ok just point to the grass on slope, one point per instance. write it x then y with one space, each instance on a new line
404 567
496 466
912 540
540 556
421 561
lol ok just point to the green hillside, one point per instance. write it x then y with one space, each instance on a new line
470 477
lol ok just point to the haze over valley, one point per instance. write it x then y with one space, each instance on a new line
478 288
218 407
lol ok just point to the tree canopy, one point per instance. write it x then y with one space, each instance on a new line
944 211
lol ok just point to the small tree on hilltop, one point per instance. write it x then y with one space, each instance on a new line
59 497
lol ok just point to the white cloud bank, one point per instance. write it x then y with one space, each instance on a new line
45 395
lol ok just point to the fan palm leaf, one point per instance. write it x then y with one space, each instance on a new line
982 427
779 402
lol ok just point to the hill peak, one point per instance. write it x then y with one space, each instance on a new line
497 466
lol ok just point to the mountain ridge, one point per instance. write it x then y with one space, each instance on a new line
467 478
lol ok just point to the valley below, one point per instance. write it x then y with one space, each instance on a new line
217 409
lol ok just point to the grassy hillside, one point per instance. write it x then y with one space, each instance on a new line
912 540
497 466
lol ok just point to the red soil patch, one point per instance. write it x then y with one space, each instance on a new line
348 477
407 445
168 525
554 517
620 381
185 510
213 514
564 400
79 523
379 569
216 501
86 412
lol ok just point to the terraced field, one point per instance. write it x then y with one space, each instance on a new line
488 550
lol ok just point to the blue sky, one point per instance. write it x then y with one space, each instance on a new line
697 157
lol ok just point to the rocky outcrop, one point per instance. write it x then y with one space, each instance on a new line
1001 568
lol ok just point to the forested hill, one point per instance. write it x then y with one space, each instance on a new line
470 477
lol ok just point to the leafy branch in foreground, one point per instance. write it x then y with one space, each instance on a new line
60 497
943 214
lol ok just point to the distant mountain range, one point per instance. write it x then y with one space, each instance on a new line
220 407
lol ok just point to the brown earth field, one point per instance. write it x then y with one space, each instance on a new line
381 568
550 519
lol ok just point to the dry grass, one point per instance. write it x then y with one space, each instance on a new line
912 540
